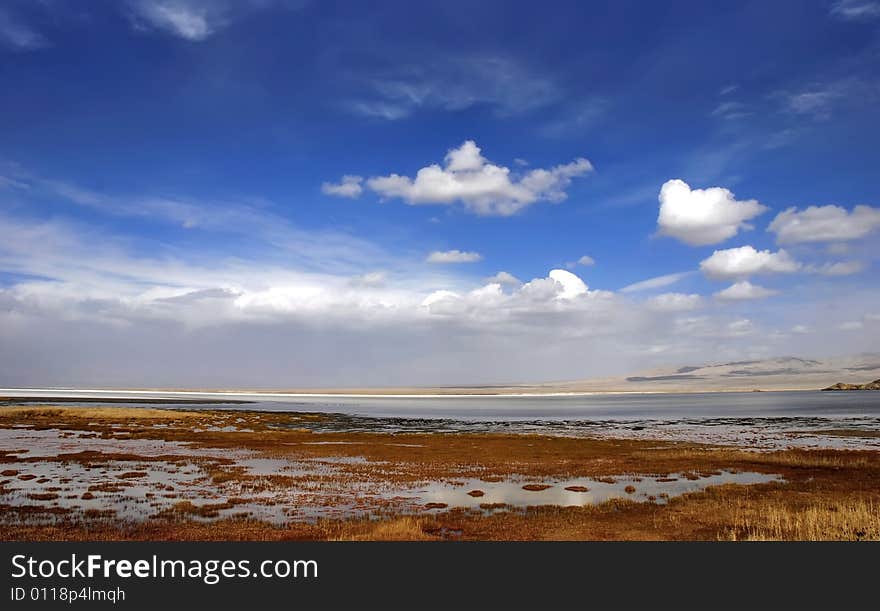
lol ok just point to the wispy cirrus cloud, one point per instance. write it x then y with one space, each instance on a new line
840 268
676 302
453 256
656 282
731 111
397 89
195 20
856 10
254 222
17 35
192 20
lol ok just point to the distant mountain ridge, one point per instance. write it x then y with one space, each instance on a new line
777 373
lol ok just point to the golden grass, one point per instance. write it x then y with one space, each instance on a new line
407 528
96 413
786 458
826 494
850 520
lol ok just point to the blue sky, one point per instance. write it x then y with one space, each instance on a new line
172 177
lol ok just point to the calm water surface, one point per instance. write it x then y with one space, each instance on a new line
757 419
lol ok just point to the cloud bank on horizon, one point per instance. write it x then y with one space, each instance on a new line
420 211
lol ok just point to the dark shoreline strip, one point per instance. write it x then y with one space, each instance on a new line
144 401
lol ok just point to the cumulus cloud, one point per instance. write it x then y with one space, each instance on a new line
572 286
504 278
703 216
483 187
743 291
453 256
349 186
675 302
559 292
319 308
824 224
745 261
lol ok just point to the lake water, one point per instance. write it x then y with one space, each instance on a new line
757 419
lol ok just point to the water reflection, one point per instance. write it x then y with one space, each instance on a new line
576 492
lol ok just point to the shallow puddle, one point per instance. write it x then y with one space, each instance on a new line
479 494
171 478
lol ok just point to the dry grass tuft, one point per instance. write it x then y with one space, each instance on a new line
97 413
854 520
401 529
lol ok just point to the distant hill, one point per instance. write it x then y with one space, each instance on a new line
780 373
875 385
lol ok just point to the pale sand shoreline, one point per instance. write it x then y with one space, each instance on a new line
14 393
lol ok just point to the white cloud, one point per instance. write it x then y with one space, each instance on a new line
851 325
504 278
378 110
675 302
856 10
314 249
483 187
703 216
800 329
781 138
349 186
559 292
313 308
572 286
450 83
742 291
193 20
820 99
655 283
815 102
713 328
586 261
453 256
18 36
370 279
582 114
841 268
731 111
745 261
824 224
